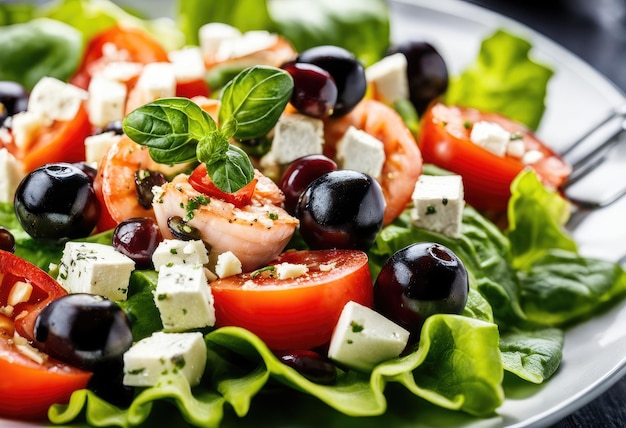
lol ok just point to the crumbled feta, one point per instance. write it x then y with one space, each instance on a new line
107 101
227 265
163 354
491 137
532 156
56 99
364 338
438 204
296 135
157 80
359 151
388 77
96 269
290 270
11 174
184 298
120 71
177 251
25 127
249 43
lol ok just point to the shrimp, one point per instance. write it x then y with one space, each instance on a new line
403 160
256 233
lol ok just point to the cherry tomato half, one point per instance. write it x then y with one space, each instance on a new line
444 140
298 312
200 181
29 387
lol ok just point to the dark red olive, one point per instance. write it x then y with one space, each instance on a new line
137 238
311 365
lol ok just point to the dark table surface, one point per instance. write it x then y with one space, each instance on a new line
596 32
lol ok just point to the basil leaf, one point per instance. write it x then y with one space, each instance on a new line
233 171
170 127
255 98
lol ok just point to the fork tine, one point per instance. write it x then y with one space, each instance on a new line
591 151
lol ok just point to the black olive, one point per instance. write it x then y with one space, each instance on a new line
87 331
181 230
56 202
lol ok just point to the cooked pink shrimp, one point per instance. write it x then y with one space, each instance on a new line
256 233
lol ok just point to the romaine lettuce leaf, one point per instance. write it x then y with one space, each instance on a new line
503 79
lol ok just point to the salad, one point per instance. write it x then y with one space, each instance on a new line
198 175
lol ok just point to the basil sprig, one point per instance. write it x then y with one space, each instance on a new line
177 130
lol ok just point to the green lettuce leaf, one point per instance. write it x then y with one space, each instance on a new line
456 366
563 287
41 47
536 220
533 356
140 308
503 79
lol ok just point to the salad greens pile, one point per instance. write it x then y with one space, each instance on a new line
528 282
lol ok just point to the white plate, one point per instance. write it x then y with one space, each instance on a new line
595 352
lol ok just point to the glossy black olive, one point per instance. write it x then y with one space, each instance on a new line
181 230
341 209
426 71
57 202
418 281
137 238
145 180
346 71
7 240
85 330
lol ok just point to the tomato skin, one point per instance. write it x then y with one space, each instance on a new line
297 313
200 181
29 388
135 44
192 88
444 141
63 141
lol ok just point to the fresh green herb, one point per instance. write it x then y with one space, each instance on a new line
516 136
356 327
272 216
177 130
430 209
193 204
268 269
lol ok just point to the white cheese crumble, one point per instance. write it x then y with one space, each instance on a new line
438 204
359 151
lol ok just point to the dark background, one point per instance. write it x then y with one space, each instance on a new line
595 30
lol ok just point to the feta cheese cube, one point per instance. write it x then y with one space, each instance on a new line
438 204
363 338
97 146
120 71
107 101
249 43
388 78
227 265
359 151
296 135
184 298
532 156
176 251
96 269
56 99
11 174
516 148
164 354
213 34
491 137
188 64
157 80
290 270
25 127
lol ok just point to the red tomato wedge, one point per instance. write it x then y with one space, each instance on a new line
29 387
403 162
200 180
63 141
121 44
299 312
444 140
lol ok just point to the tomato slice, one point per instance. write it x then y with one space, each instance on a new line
200 181
29 387
117 44
444 140
192 88
299 312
